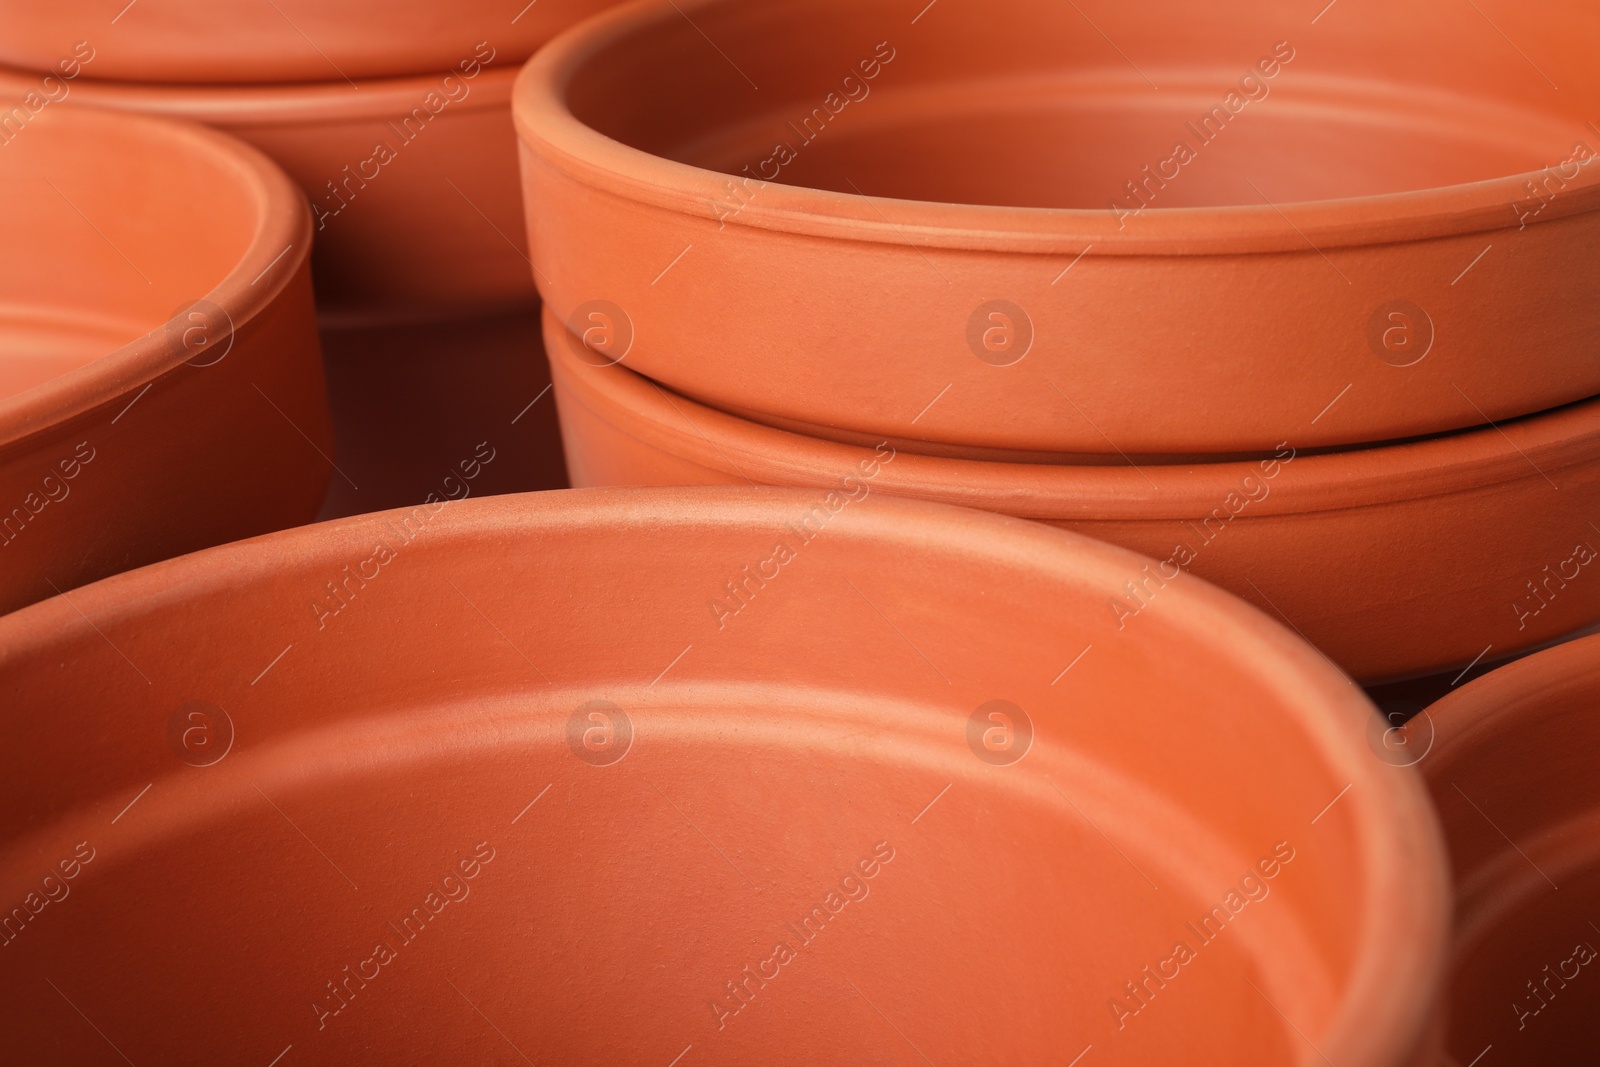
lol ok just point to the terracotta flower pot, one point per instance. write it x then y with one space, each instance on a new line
161 386
1396 561
439 410
489 782
985 227
412 181
277 40
1507 758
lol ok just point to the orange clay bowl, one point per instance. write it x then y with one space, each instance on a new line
412 181
161 385
1508 759
984 226
276 40
1396 561
488 782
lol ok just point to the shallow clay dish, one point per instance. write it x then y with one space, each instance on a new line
1509 760
498 782
412 181
161 385
446 409
1396 561
277 40
955 228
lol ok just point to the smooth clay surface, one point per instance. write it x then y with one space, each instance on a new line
412 181
992 227
627 776
1508 759
1397 561
161 384
277 40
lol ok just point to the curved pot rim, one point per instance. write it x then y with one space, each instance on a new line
1536 446
1470 717
278 249
314 103
1405 871
545 123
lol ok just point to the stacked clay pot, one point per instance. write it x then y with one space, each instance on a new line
161 387
1312 319
394 120
467 802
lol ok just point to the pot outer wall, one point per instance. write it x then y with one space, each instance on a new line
1508 760
415 195
209 454
439 410
1389 589
278 40
1364 309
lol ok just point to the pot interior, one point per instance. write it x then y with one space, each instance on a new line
114 224
1521 812
507 868
616 910
1026 105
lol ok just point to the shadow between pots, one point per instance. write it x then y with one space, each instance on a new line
439 410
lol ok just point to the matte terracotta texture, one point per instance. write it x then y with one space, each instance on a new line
439 410
412 181
1509 760
1398 561
161 385
956 229
578 807
277 40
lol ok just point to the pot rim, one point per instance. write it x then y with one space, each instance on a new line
1535 446
1405 873
266 269
310 103
546 125
1469 719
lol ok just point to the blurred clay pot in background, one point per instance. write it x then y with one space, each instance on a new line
1396 561
439 410
278 40
985 227
468 716
1509 759
413 181
161 386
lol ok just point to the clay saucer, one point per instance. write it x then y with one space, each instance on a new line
1507 760
1396 561
500 781
985 226
161 385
